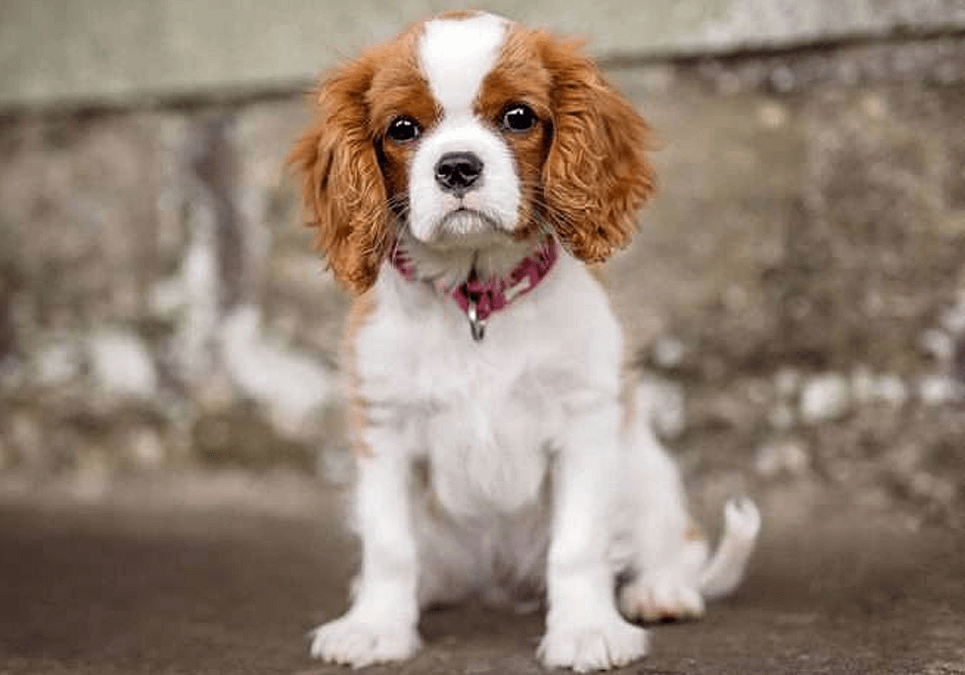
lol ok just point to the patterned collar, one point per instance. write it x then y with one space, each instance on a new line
480 298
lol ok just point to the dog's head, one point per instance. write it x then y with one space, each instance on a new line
465 131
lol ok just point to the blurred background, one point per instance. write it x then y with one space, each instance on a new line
795 300
795 296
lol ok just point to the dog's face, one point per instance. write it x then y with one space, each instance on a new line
459 163
466 131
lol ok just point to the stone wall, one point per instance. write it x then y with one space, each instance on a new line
799 280
795 296
160 304
64 51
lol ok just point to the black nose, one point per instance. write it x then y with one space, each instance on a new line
458 171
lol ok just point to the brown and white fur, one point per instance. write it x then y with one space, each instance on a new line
505 468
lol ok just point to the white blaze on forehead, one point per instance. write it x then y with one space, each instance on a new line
456 54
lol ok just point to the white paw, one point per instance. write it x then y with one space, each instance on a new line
599 646
654 599
354 642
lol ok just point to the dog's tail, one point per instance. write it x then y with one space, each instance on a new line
725 569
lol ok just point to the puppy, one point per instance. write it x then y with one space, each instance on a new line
460 178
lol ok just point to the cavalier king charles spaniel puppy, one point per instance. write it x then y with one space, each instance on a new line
461 178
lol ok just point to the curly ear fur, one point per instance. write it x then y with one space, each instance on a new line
596 176
343 190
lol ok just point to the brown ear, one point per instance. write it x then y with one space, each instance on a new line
596 175
343 189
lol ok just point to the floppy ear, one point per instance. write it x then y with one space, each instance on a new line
343 189
596 176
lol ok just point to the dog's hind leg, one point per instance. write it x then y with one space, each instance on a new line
671 571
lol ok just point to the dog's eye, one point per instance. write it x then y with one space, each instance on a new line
403 130
519 117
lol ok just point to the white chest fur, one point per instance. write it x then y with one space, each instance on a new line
486 414
488 446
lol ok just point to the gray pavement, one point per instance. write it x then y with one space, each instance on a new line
123 587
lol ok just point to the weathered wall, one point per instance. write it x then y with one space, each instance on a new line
153 276
796 292
57 51
801 276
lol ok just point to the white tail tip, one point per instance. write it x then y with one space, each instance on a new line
724 571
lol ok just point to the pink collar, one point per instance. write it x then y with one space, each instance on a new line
479 299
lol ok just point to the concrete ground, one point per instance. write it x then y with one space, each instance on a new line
158 580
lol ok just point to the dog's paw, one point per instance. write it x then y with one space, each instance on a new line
660 598
354 642
597 646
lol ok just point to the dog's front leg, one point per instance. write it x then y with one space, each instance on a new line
584 631
381 624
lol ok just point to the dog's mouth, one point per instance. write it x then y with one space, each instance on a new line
464 217
464 226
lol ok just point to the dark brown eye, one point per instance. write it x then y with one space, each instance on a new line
519 117
403 130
